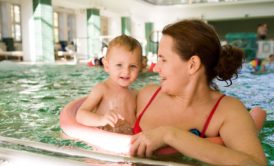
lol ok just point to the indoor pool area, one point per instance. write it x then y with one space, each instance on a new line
32 96
52 53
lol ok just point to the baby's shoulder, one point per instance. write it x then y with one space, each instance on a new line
133 92
100 87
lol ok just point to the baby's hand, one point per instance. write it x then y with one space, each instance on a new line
122 127
111 118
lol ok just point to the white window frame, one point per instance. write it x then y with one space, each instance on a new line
71 27
16 33
56 26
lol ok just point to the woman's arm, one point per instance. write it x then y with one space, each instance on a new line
257 114
145 143
238 123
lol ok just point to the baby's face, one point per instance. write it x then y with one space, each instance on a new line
123 65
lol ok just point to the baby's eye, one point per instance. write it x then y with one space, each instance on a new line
119 65
133 66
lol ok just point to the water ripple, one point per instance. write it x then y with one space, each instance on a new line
32 96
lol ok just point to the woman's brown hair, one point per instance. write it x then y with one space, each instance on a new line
195 37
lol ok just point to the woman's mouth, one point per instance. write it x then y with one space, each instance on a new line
162 79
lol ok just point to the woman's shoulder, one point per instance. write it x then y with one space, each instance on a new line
149 89
233 107
146 92
145 95
232 101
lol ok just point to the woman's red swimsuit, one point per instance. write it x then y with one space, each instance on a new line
137 128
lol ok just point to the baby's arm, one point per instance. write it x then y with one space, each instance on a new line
86 114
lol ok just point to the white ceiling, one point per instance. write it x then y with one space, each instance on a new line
81 3
139 9
120 5
186 2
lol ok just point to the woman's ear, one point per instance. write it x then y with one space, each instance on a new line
194 64
105 63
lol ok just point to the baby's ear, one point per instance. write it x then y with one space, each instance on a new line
105 63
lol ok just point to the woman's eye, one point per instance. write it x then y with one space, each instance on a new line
161 59
119 65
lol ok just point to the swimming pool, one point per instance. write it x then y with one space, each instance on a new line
32 96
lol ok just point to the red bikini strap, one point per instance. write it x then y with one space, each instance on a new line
210 116
149 102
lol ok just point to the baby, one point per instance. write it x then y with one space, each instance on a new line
111 104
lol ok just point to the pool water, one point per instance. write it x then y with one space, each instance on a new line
32 96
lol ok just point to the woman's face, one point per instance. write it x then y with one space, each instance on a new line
171 68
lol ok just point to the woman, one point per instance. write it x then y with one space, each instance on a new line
188 107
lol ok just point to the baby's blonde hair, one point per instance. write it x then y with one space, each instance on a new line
128 42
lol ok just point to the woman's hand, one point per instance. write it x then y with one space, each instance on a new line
144 143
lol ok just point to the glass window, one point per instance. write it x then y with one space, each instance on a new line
17 32
16 22
17 13
55 27
71 27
